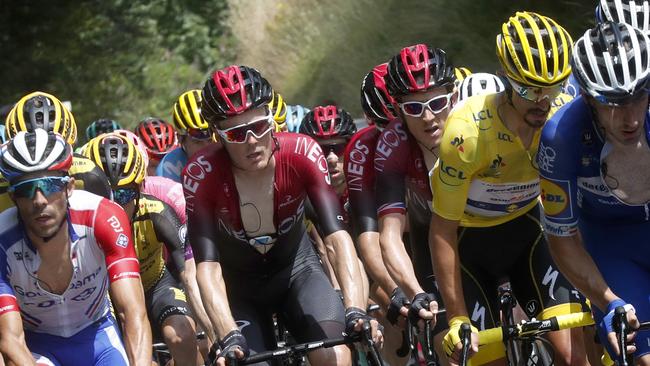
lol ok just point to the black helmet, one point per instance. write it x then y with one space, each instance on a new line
326 122
419 68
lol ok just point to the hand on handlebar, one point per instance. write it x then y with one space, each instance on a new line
423 307
354 321
233 343
452 344
398 306
607 326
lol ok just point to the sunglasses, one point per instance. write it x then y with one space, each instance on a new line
124 195
47 185
435 105
199 134
536 94
336 148
239 134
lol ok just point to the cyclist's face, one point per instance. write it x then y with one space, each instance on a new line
534 114
624 123
42 215
254 153
191 145
333 151
427 129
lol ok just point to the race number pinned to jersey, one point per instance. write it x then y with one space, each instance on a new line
122 241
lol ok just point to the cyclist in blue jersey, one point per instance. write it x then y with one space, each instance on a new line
295 114
193 135
594 159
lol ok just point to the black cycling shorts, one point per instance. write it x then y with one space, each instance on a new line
163 300
518 251
301 295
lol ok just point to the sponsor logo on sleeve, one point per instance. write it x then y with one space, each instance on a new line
115 224
546 158
122 241
555 198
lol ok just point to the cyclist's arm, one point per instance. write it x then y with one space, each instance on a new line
370 252
194 297
171 232
322 253
113 235
579 268
397 261
343 257
12 340
446 264
215 299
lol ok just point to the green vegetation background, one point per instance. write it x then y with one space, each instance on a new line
130 59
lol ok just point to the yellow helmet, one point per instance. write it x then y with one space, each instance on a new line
41 110
279 109
118 157
534 50
461 73
187 112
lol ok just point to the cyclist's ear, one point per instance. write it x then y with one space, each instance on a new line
70 186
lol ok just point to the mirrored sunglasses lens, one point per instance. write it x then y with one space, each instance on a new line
438 104
413 108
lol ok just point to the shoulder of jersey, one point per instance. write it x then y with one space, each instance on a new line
573 112
560 101
84 200
150 204
81 164
8 220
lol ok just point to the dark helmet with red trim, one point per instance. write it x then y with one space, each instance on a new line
419 68
158 136
376 103
234 90
326 122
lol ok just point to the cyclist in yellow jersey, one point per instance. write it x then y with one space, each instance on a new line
485 188
155 225
42 110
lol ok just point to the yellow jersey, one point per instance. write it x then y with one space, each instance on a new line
484 175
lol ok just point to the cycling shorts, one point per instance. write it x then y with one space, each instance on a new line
518 251
99 344
164 300
301 295
622 256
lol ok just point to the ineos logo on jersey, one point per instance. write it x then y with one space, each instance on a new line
389 140
194 173
355 169
309 148
115 224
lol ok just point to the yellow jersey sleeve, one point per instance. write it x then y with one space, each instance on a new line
450 178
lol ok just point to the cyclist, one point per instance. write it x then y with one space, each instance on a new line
42 110
420 79
61 248
295 115
279 111
102 125
193 131
480 83
486 188
250 240
155 225
593 159
159 138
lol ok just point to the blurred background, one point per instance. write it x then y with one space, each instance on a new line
128 59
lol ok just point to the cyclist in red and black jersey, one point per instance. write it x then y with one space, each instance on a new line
245 205
421 79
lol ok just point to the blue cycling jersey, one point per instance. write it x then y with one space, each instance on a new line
571 87
171 166
575 197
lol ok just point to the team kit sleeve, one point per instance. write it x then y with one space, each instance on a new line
8 302
113 235
361 196
558 158
171 232
391 154
451 177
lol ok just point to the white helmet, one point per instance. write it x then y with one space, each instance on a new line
610 62
480 83
633 12
29 152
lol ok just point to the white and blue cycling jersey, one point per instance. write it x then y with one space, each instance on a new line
575 197
172 164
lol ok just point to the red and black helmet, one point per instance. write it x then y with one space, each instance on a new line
376 103
326 122
232 91
418 68
158 136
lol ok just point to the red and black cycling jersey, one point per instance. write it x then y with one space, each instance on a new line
359 168
401 175
215 229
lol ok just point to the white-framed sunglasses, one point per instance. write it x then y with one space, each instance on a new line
239 134
435 105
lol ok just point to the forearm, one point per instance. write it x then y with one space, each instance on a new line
194 299
578 267
322 253
370 253
343 257
14 349
446 264
137 334
398 263
215 300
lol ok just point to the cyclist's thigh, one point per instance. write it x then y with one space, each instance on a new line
109 349
255 321
539 286
312 310
479 286
167 299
